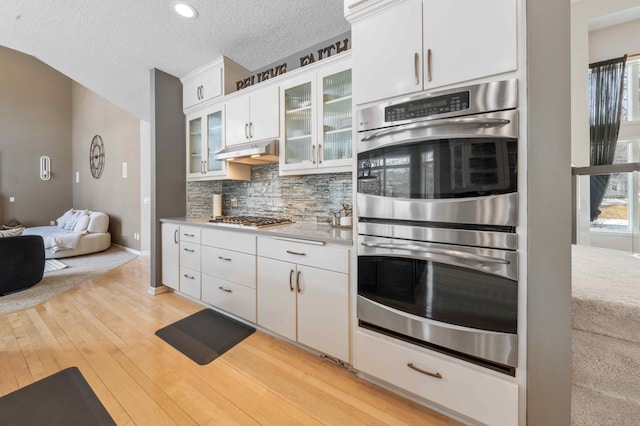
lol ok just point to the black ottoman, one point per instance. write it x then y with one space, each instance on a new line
21 262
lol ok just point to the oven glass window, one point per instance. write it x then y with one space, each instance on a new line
440 292
447 168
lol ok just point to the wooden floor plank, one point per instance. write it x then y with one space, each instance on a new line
106 328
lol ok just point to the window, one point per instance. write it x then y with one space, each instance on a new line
619 209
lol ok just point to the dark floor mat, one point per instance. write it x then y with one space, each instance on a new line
205 335
64 398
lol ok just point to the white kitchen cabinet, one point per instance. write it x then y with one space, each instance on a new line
317 121
205 138
387 52
481 396
304 303
171 255
480 42
190 261
413 45
228 265
211 81
253 115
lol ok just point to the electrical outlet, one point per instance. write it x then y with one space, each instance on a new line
124 170
234 202
53 222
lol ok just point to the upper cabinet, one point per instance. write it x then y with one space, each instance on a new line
205 137
211 81
317 121
253 116
413 45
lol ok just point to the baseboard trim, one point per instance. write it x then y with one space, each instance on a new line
154 291
130 250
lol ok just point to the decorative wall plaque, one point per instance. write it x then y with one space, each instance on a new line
96 156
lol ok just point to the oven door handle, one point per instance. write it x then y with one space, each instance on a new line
432 250
481 123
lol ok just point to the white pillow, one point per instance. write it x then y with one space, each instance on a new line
62 220
82 223
71 222
14 232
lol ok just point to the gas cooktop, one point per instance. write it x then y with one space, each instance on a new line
255 222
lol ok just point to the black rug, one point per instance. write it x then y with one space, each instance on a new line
205 335
64 398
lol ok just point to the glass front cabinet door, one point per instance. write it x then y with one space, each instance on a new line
317 121
205 138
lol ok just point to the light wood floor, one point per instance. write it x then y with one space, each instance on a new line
106 328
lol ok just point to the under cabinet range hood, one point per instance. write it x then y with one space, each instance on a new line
252 153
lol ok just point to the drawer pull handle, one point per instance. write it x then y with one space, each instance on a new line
291 281
191 277
420 370
228 290
228 259
296 253
190 250
189 235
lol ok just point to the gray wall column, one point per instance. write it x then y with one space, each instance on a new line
549 213
168 161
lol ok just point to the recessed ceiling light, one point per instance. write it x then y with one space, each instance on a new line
185 10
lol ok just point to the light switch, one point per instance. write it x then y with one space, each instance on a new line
12 199
124 170
77 177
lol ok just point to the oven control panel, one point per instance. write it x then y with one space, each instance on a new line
426 107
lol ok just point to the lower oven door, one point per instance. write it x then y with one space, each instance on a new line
463 299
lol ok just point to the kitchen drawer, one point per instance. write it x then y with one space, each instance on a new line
236 299
310 254
480 396
190 282
230 240
239 268
190 234
190 255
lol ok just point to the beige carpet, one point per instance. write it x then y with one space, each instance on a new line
79 269
605 337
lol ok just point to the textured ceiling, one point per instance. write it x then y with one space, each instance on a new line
109 46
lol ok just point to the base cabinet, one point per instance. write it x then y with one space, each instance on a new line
229 272
301 302
171 255
479 396
190 261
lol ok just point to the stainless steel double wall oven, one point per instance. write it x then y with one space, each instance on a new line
437 199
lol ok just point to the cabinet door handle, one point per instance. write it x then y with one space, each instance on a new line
224 258
297 253
189 250
191 277
228 290
291 280
198 92
313 154
246 130
205 166
251 129
298 282
175 236
416 63
319 153
429 64
420 370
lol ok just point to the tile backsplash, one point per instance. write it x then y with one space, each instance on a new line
309 198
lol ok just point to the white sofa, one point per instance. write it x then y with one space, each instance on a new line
77 232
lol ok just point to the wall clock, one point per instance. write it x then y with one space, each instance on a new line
96 156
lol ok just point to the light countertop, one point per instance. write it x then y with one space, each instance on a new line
298 230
